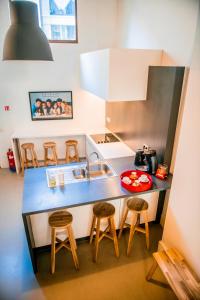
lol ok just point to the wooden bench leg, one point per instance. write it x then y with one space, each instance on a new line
152 270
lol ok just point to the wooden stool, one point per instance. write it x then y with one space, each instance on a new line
138 207
71 145
52 147
28 149
101 211
62 220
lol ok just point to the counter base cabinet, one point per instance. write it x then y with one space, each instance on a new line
82 219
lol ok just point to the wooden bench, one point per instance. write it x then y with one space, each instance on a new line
180 277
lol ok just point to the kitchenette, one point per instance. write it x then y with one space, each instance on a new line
86 167
99 114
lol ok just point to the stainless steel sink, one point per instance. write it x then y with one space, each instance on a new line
96 170
99 169
79 173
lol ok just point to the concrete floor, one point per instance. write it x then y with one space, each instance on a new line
109 279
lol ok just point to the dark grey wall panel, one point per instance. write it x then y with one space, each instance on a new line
153 121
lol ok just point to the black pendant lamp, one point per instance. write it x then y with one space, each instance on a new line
25 40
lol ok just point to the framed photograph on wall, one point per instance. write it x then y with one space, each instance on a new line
51 105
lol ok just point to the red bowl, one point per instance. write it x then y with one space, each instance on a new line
144 186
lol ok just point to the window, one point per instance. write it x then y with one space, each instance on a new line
58 19
62 32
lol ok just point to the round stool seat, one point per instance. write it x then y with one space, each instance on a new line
71 142
137 204
49 144
103 210
27 145
60 219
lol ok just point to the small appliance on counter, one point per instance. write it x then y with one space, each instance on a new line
146 160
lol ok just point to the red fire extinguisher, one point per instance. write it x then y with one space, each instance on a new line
11 160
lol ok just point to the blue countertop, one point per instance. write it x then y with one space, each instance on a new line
38 197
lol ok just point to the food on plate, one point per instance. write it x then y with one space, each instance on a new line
143 178
136 183
133 175
126 180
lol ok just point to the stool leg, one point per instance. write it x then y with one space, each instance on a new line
55 156
152 270
113 231
123 220
53 249
67 155
146 228
73 239
35 158
45 156
92 229
76 154
25 156
73 250
132 231
97 239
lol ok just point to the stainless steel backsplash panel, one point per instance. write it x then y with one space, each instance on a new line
151 122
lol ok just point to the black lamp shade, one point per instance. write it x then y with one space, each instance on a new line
24 39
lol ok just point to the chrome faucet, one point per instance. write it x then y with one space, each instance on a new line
88 162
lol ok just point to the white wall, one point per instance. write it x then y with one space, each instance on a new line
159 24
182 224
96 30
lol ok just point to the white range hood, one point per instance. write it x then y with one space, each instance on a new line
118 74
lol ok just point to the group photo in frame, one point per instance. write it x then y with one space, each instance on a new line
53 105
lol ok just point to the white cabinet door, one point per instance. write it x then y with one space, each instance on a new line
41 229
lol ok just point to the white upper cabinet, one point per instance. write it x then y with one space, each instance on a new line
118 74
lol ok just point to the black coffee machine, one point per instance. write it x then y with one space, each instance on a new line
146 160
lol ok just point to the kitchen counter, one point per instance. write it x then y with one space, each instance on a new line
38 198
